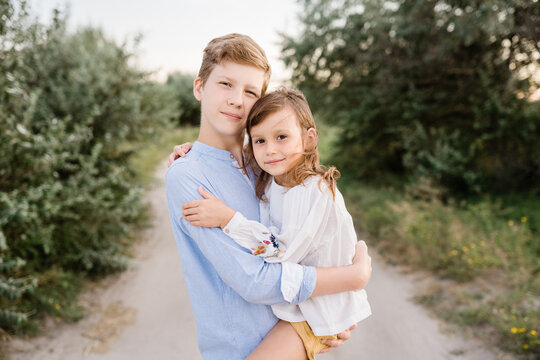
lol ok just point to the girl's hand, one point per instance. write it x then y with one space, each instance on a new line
179 151
210 212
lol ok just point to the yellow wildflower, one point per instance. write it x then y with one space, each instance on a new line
470 261
482 243
526 346
523 219
58 306
511 223
521 330
406 228
501 310
533 332
465 249
473 245
453 252
513 330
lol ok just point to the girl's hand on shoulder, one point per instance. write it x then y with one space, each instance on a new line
179 151
209 212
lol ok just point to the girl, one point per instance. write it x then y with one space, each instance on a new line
303 218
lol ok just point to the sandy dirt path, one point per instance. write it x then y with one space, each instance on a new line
144 313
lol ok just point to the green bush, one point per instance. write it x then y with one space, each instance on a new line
189 109
435 89
72 111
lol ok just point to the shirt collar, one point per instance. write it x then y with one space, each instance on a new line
214 152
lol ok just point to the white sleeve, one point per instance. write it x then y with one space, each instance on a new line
305 217
252 235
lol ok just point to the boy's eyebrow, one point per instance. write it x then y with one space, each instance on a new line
248 86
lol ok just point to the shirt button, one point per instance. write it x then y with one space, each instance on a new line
232 156
227 231
244 172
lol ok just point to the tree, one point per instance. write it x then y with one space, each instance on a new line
189 108
428 88
71 109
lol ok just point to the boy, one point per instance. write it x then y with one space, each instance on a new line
229 288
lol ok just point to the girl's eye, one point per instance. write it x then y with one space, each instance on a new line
282 137
259 141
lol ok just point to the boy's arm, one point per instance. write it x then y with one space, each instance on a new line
345 278
255 236
252 278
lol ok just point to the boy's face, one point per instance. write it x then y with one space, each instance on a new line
227 97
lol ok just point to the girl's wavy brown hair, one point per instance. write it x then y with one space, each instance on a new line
308 164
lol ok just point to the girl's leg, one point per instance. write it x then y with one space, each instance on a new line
282 342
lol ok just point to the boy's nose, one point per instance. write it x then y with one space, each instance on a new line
235 99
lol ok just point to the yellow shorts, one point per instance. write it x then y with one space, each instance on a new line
312 342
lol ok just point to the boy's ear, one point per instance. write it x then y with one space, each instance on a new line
197 87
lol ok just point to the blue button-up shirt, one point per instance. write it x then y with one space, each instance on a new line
229 288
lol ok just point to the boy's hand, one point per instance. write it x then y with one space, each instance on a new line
342 337
362 264
210 212
179 151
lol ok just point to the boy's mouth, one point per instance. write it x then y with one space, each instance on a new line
232 116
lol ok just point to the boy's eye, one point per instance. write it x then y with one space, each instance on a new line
252 93
226 83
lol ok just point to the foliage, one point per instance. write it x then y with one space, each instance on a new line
434 89
72 109
189 108
486 252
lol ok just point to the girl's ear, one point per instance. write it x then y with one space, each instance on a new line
311 139
197 88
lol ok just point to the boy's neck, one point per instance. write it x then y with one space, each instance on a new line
230 144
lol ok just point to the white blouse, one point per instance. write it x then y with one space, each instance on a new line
305 225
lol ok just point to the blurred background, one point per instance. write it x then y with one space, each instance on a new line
430 109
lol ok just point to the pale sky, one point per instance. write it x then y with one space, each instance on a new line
175 32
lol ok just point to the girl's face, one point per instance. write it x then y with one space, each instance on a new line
277 143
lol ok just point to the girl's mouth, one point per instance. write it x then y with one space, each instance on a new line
273 162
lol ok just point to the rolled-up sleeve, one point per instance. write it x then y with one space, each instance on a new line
250 276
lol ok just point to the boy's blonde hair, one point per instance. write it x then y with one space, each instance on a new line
308 164
238 48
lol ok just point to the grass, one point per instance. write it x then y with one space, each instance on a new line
479 245
145 160
484 252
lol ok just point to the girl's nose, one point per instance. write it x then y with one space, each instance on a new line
270 149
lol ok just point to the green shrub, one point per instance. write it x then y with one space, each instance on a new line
72 111
435 89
